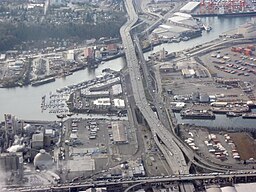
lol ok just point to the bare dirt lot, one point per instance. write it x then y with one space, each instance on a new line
246 146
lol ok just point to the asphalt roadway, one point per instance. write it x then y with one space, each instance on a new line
171 146
170 149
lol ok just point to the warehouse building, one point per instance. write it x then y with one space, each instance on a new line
119 133
248 187
117 89
189 7
119 103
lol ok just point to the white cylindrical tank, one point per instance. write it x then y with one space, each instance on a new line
43 160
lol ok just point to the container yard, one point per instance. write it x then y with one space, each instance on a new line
221 8
220 146
217 82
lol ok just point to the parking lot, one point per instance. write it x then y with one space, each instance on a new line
216 146
94 138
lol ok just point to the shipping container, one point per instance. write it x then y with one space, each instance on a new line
252 47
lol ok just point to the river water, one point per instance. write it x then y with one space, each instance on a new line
25 102
221 121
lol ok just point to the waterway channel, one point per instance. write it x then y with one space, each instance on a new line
25 102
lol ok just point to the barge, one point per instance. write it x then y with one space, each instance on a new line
43 81
197 114
249 115
232 114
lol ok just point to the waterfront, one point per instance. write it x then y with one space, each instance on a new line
25 102
230 122
219 26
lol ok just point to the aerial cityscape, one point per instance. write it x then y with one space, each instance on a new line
128 95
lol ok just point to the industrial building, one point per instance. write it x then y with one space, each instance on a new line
12 163
112 49
117 89
183 20
248 187
49 137
168 68
102 102
119 133
189 7
37 141
188 73
10 124
2 57
70 55
89 53
11 128
119 103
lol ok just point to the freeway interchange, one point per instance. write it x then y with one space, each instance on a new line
171 151
171 146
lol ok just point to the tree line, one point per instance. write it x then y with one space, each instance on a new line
11 35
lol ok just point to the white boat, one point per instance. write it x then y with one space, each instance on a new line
207 28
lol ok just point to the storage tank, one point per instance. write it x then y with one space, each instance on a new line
43 160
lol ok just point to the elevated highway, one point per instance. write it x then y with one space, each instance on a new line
171 146
173 154
251 175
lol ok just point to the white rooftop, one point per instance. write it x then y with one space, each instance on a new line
189 7
248 187
119 103
102 101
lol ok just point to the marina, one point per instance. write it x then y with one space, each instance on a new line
60 102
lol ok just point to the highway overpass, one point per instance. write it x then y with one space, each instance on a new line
249 175
173 154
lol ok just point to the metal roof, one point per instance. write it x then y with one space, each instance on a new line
189 7
248 187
